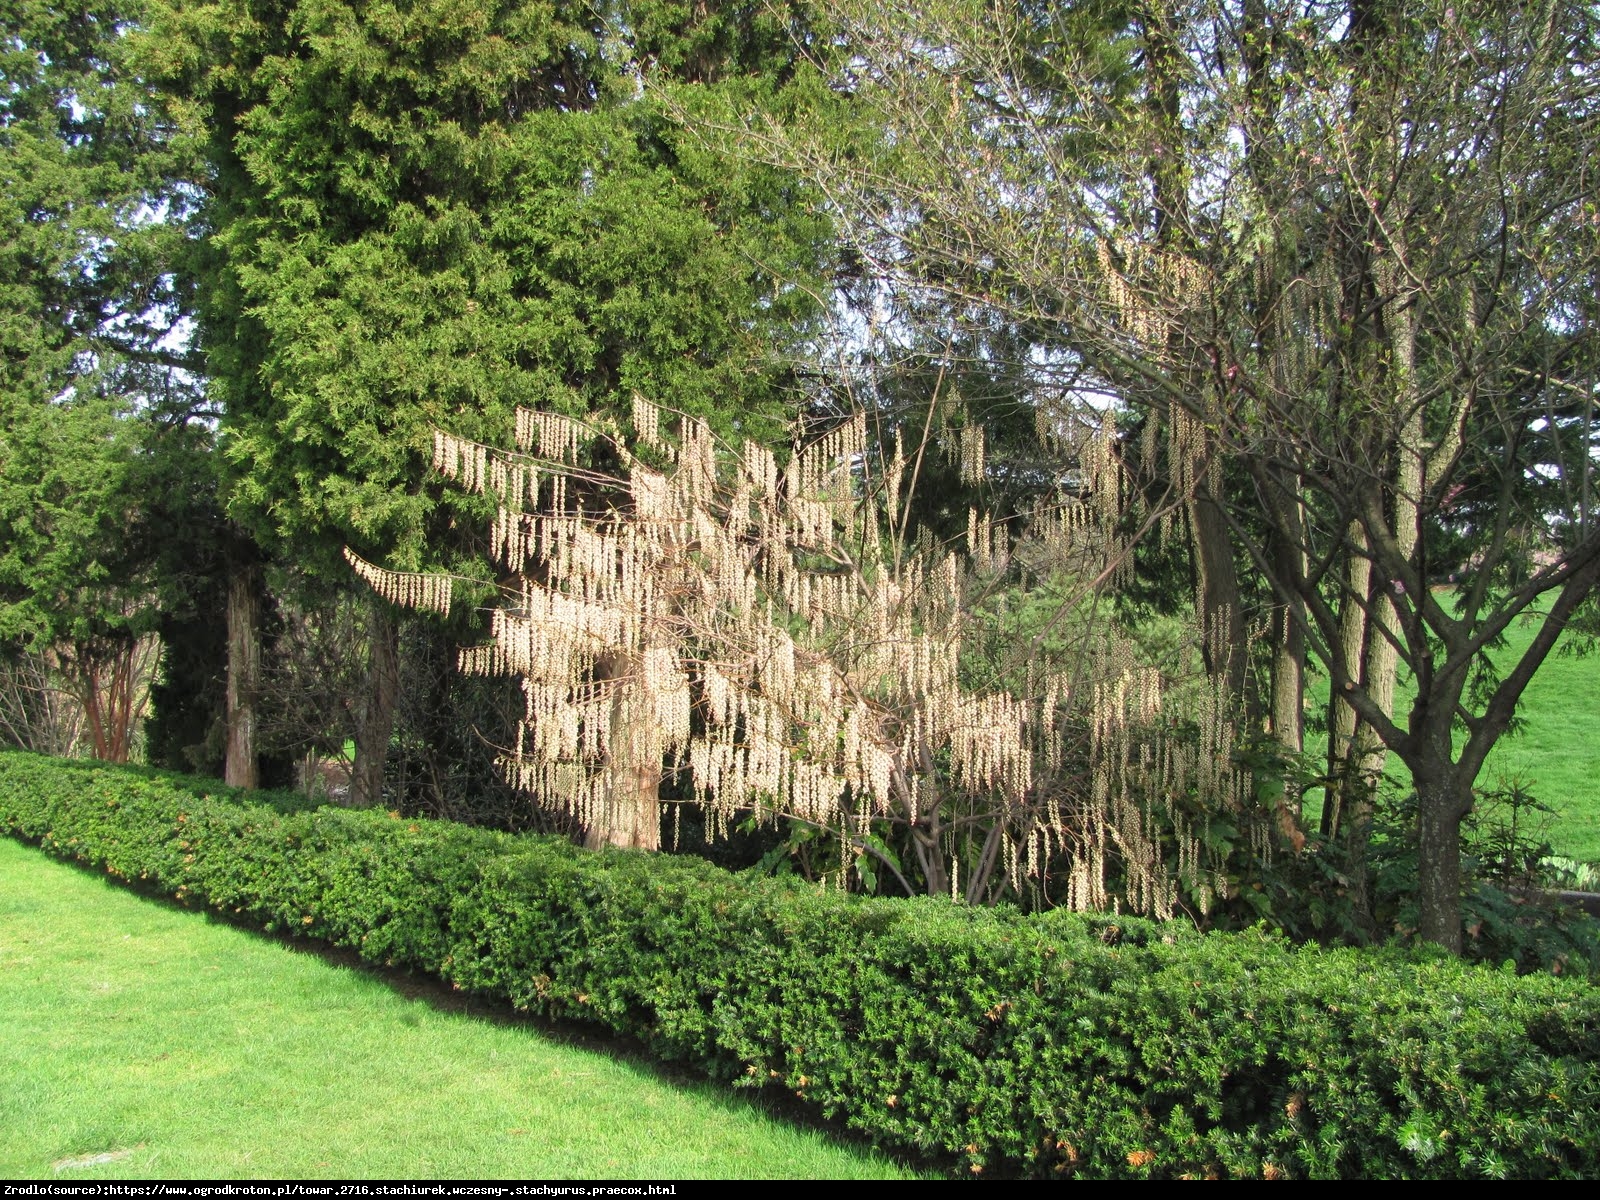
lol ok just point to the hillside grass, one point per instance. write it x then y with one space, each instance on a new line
143 1041
1555 754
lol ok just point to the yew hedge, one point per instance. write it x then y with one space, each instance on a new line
1052 1045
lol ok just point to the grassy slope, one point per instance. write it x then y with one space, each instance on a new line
1556 754
129 1025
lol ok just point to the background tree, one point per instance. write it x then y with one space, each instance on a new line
426 216
1338 257
99 411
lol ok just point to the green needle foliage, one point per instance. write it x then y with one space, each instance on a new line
98 440
426 214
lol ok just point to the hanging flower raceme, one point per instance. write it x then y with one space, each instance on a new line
767 634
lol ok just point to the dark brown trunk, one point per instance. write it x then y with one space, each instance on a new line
241 768
1218 607
1439 814
375 712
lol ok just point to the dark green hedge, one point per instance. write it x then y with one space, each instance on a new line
1052 1045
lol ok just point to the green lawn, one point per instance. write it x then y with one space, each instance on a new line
1557 752
138 1040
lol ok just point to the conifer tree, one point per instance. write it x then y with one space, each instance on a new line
427 214
98 407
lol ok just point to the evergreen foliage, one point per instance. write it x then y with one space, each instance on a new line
426 214
98 441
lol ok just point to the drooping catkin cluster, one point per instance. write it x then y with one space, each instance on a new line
408 589
764 632
1151 292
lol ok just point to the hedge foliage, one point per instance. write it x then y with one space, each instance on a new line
1051 1045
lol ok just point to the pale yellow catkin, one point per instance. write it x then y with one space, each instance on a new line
714 617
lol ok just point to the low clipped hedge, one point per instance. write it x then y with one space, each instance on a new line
1052 1045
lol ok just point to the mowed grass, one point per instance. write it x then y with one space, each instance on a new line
1556 753
138 1040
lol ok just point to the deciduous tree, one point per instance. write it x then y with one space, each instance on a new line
1341 258
777 637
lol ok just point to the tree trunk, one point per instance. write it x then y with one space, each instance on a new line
1217 604
375 712
119 702
1288 711
1439 814
89 672
1387 608
105 677
241 768
1289 632
630 810
119 705
1344 808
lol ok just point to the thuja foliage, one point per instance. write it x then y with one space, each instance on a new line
429 212
99 443
1052 1045
783 641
